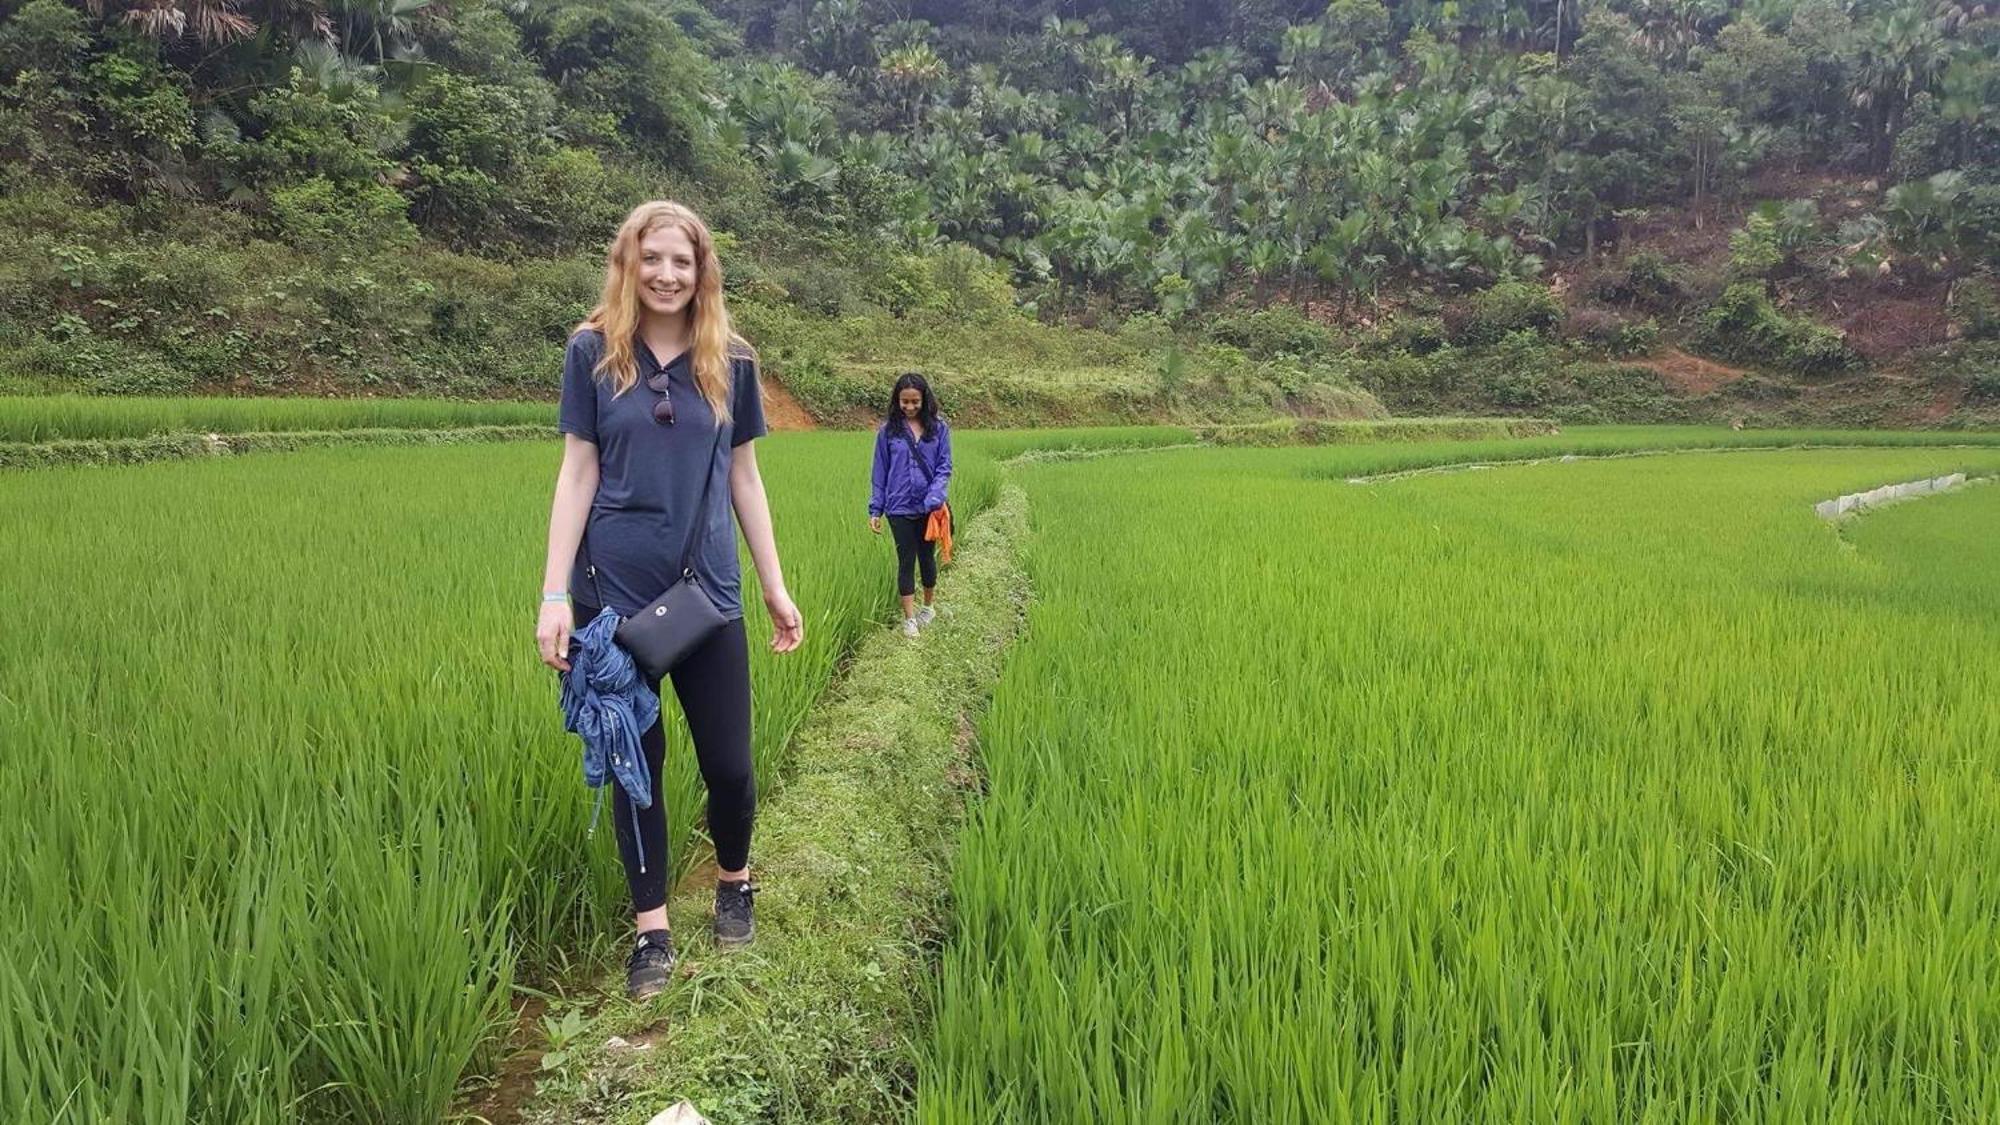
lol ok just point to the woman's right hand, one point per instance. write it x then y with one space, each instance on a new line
552 634
875 524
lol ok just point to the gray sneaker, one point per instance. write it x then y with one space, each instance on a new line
925 616
734 924
651 965
909 626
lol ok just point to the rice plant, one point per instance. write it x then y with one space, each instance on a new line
1604 791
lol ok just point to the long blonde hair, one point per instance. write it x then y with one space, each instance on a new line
713 341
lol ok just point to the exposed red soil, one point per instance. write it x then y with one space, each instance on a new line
1948 399
783 411
1689 374
1887 322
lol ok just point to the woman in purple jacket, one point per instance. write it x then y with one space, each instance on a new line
912 470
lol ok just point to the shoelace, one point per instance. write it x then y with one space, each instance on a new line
650 951
742 897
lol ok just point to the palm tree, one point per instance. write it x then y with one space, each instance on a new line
1121 76
384 27
1928 219
836 37
1264 258
1968 90
216 22
1338 258
1212 73
795 167
1897 54
1272 108
910 74
209 21
1673 29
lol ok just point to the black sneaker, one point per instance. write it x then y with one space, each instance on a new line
733 924
651 965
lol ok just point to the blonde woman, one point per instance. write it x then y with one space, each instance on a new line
652 379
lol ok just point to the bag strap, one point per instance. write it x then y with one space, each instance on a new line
695 532
699 530
930 474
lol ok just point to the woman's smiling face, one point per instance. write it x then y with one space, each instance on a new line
911 400
667 271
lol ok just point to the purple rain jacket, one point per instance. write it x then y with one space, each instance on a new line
903 486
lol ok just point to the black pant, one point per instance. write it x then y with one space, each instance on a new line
912 549
713 684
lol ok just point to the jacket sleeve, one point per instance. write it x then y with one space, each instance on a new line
941 479
879 476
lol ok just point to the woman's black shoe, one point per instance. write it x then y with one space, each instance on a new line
734 925
651 965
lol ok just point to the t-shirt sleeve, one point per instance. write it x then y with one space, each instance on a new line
747 411
578 414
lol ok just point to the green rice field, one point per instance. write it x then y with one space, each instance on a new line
76 417
1607 790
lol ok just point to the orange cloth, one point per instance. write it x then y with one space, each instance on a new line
938 530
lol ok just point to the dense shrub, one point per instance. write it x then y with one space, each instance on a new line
301 131
630 63
42 35
1754 249
468 141
1610 333
321 215
1743 325
1760 389
1506 308
1271 331
1647 280
1980 365
1520 374
967 283
1770 237
1975 308
820 285
1417 334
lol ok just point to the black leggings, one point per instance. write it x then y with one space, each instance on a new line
713 684
912 549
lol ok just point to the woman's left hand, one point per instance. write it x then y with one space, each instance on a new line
788 629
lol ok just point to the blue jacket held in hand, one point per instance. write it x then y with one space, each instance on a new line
910 482
607 703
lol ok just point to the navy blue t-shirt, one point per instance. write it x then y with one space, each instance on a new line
649 478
